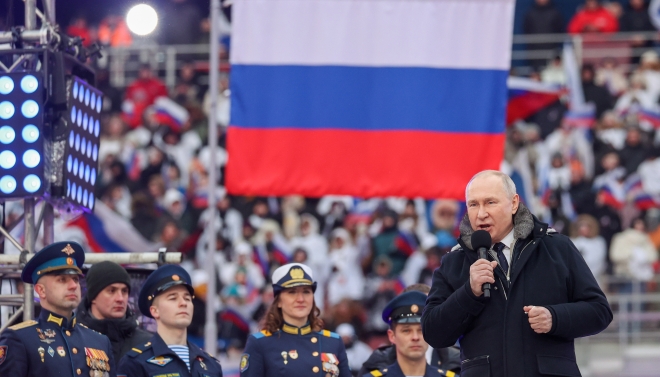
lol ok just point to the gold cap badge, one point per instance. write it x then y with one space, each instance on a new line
69 261
297 273
176 277
68 250
414 308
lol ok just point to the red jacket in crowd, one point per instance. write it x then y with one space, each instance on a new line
139 95
598 20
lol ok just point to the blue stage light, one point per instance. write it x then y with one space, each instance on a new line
6 85
85 121
7 135
31 158
95 152
81 93
75 166
89 149
31 183
73 114
69 163
29 84
84 198
87 97
7 159
83 146
77 142
6 110
92 176
79 118
91 200
92 102
72 139
81 170
75 90
73 190
30 109
87 173
68 187
7 184
97 128
99 104
79 194
30 133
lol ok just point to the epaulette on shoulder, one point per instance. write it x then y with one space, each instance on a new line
457 247
85 326
376 373
23 325
135 351
262 334
330 334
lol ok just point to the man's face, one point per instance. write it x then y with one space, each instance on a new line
59 293
173 308
111 302
489 207
409 342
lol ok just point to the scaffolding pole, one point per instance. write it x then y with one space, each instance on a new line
30 237
211 328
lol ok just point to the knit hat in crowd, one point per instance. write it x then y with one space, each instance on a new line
102 274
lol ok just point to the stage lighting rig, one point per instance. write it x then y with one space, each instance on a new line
21 135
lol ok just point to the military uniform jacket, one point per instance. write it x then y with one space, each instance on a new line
54 346
294 351
156 359
395 371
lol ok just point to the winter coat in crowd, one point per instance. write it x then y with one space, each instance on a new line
633 254
496 337
124 333
597 20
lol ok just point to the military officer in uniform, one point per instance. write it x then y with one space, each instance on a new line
404 314
292 341
166 296
55 344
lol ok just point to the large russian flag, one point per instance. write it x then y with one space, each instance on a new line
367 97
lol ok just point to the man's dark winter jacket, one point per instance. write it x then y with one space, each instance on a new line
123 333
495 335
443 358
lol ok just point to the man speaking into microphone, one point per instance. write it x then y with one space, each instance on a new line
542 294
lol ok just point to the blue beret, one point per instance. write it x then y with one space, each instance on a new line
405 308
159 281
59 258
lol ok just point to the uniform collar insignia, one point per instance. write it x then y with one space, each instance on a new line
52 318
160 360
296 330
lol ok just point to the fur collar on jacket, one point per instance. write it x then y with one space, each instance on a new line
523 225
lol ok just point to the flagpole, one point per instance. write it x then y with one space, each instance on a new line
211 327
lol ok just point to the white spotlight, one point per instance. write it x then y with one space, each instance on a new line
142 19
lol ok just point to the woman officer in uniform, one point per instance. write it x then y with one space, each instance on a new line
292 341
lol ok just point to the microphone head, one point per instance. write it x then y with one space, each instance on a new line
480 238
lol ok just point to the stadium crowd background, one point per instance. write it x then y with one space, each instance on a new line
599 186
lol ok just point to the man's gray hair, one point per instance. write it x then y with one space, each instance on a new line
508 184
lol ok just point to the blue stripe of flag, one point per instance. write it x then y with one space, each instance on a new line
101 237
369 98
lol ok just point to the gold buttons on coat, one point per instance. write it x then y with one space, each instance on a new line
315 369
315 354
75 351
79 372
68 333
314 340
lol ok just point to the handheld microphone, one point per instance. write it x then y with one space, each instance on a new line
481 243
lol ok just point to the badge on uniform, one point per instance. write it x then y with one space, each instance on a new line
201 362
330 362
3 354
46 336
61 351
245 362
51 351
161 361
98 362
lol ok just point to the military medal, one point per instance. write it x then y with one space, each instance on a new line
51 351
42 353
44 336
284 356
201 362
61 351
330 364
293 354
